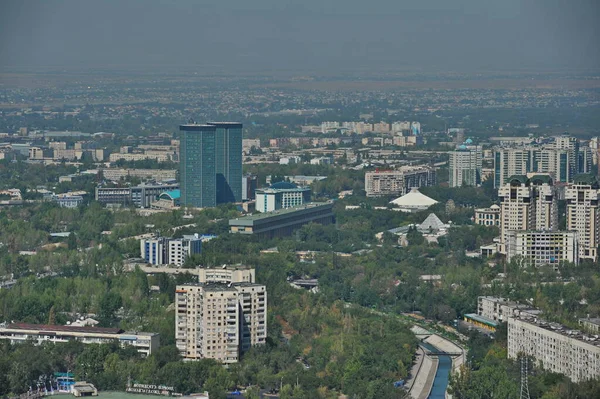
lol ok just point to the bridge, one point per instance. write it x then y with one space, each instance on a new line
440 353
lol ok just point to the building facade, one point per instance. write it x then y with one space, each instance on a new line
144 342
465 166
170 251
555 348
249 186
398 182
220 321
583 215
197 165
281 195
228 161
284 221
141 196
488 216
540 248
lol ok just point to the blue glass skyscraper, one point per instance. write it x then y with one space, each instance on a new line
197 165
228 143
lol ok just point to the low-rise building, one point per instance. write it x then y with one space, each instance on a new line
488 216
590 325
146 343
398 182
281 195
141 196
283 222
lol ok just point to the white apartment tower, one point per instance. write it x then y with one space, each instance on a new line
517 207
527 204
465 166
583 214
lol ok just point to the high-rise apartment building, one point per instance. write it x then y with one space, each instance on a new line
197 165
465 166
527 204
228 158
583 214
220 318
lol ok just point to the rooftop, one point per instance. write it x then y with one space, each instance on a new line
266 215
561 330
47 327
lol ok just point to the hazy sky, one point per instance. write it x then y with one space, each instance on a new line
302 35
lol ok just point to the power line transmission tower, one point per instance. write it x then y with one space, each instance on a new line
524 378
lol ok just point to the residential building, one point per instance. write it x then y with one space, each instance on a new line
488 216
197 173
228 161
500 309
227 274
144 342
517 207
465 166
281 195
540 248
219 321
398 182
591 326
556 348
283 222
583 215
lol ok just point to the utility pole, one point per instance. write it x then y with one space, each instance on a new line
524 378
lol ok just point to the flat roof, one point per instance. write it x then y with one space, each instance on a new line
226 124
481 319
197 127
279 212
47 327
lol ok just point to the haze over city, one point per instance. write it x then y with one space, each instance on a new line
323 36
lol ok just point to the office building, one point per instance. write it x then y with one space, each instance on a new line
398 182
228 161
283 222
141 196
281 195
145 174
556 348
249 185
540 248
197 165
583 215
220 321
144 342
488 216
465 166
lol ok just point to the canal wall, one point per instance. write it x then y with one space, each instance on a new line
423 381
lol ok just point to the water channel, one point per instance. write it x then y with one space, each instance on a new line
440 382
